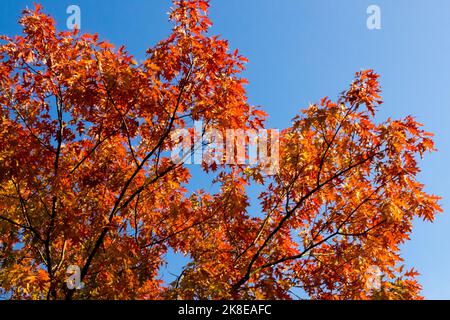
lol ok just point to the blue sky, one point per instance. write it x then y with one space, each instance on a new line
302 50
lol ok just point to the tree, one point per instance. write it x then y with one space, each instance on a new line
86 177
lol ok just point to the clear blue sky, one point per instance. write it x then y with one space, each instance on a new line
302 50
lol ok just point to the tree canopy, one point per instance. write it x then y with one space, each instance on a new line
86 177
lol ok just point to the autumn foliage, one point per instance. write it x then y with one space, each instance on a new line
86 177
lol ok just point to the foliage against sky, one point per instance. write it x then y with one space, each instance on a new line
86 180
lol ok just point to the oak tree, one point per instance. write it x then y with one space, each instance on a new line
86 176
